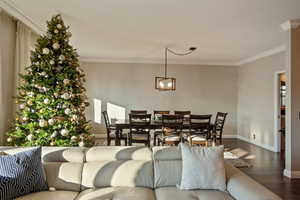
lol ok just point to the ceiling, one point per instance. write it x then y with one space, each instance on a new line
225 32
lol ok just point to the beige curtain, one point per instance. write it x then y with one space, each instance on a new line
25 40
7 55
16 41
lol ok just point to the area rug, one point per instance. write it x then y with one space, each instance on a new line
235 160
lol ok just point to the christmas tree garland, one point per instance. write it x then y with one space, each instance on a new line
52 100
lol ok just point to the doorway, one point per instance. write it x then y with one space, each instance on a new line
280 109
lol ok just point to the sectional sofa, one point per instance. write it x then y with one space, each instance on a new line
130 173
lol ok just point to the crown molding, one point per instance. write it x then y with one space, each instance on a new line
267 53
291 24
11 9
150 61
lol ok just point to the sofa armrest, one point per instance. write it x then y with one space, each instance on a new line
242 187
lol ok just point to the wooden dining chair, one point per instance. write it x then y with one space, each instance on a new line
171 130
157 116
217 130
199 130
186 117
139 129
143 112
111 131
185 114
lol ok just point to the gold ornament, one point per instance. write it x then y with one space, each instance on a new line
29 102
9 139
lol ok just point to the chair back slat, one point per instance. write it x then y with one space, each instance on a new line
172 121
106 119
183 113
139 120
200 122
220 121
157 114
142 112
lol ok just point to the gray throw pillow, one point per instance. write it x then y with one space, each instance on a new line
21 173
202 168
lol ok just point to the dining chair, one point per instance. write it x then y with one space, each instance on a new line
157 116
143 112
171 130
139 129
217 130
111 131
199 130
186 117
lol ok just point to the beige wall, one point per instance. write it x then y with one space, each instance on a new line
201 89
256 99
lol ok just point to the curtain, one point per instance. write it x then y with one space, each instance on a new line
16 41
7 54
25 40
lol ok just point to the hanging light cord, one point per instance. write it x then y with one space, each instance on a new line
182 54
177 54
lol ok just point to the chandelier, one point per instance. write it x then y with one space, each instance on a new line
166 83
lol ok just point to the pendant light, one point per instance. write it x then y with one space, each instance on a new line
169 83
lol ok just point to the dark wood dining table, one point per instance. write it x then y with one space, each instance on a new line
121 124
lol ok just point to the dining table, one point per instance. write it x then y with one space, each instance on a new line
121 124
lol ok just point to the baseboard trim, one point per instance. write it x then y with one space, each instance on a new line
265 146
291 174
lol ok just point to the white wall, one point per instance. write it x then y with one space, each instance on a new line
201 89
256 99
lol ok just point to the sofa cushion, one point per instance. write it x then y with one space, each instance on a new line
104 153
63 154
131 173
53 154
64 175
117 193
166 153
167 166
167 173
203 168
46 195
167 193
21 173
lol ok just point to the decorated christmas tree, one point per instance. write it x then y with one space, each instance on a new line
51 98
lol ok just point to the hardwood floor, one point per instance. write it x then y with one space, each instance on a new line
267 168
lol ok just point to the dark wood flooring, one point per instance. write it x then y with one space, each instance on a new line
267 168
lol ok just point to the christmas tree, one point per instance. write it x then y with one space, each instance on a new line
51 99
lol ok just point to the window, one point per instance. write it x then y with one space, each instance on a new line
115 112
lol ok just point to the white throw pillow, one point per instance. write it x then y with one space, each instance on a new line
202 168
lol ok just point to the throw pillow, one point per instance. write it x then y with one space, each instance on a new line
21 173
202 168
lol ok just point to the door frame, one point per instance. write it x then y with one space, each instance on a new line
277 135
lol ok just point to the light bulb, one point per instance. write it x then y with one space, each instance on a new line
170 84
161 84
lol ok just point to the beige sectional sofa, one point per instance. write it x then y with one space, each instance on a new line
130 173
